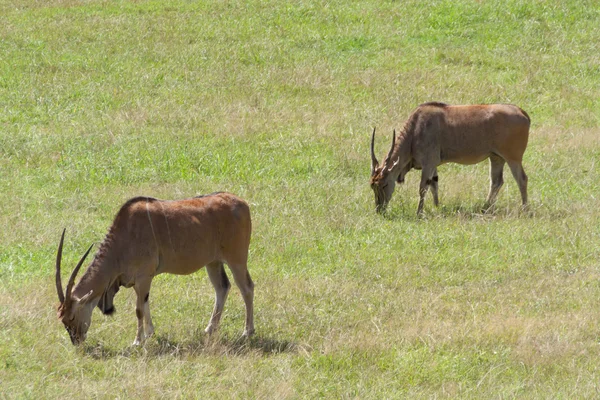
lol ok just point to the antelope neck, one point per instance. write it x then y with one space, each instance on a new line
400 156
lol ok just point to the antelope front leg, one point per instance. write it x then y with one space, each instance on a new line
148 326
424 185
434 188
142 311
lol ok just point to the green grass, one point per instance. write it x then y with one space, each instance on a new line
275 101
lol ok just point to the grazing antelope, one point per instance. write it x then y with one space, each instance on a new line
437 133
149 237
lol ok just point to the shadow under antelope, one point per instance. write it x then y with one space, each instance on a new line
150 237
438 133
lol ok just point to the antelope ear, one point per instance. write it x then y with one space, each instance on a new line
85 298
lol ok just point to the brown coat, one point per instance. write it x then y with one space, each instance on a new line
149 237
437 133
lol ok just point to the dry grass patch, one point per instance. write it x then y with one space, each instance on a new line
566 139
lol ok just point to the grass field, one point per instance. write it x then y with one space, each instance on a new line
275 101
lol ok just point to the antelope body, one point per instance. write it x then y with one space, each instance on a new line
149 237
438 133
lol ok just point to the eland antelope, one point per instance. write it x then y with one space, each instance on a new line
438 133
150 237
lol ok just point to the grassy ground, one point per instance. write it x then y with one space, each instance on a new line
275 101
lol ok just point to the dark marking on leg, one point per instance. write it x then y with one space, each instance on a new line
146 298
138 313
428 182
435 178
250 282
225 280
110 311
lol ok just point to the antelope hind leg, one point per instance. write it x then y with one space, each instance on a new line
519 174
244 283
219 280
496 179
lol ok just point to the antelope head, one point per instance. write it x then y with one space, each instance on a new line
74 312
383 180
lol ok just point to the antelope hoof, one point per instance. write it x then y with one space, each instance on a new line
149 332
139 340
248 332
210 329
